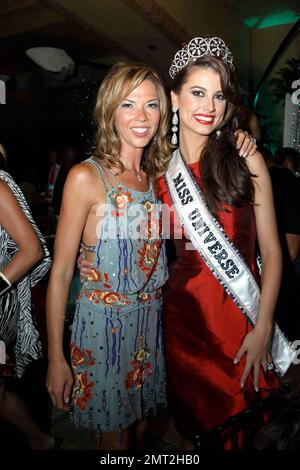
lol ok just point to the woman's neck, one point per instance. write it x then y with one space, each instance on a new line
191 147
132 160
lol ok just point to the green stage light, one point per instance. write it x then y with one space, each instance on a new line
275 19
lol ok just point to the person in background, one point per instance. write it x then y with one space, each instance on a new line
283 171
70 156
289 158
29 189
283 430
285 191
24 260
248 121
54 159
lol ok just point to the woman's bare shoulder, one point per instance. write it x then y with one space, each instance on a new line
82 172
5 190
84 184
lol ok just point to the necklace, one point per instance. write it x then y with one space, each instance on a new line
137 174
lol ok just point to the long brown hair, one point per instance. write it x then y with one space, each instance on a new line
120 81
225 175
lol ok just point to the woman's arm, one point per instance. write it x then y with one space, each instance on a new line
75 208
268 239
257 341
16 224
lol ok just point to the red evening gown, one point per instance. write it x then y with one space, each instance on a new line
204 329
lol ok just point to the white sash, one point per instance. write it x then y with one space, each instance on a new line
220 254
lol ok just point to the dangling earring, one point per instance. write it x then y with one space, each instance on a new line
218 133
174 139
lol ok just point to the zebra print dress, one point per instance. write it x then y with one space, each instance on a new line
17 326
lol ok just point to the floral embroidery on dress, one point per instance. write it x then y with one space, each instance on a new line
121 199
141 368
148 206
146 296
81 357
143 296
106 297
148 255
150 227
95 276
82 391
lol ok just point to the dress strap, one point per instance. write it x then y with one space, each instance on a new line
113 176
105 180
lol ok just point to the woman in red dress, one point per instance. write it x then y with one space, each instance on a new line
216 362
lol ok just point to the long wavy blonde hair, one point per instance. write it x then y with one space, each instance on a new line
120 81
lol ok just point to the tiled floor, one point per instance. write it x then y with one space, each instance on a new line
161 433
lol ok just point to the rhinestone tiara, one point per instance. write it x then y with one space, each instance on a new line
199 47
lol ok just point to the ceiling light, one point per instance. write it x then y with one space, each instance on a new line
51 59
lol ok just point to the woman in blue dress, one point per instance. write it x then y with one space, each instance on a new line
109 207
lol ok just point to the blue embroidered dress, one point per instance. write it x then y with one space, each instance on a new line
116 347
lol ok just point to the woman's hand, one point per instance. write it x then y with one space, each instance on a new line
84 267
256 346
245 143
59 384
